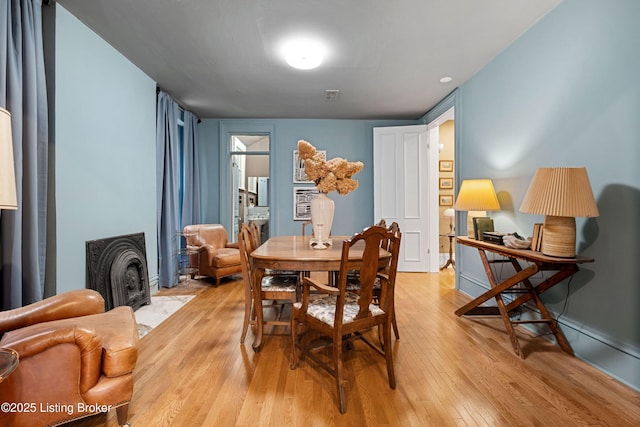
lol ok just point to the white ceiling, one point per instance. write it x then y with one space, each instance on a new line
218 58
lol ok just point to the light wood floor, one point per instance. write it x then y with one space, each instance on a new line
193 371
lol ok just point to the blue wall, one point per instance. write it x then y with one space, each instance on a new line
567 93
350 139
104 150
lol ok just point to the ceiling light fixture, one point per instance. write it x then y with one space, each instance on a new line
303 53
446 79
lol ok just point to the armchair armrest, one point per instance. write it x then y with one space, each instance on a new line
29 342
208 252
309 282
77 303
233 245
325 289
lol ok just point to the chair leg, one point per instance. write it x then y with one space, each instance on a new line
388 354
395 326
123 413
337 363
294 333
217 282
245 324
259 322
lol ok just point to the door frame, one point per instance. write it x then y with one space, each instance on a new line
226 130
451 102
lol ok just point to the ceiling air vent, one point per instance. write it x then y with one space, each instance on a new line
331 94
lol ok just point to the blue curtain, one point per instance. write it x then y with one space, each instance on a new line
190 172
168 185
23 94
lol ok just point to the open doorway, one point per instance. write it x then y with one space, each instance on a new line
441 132
250 182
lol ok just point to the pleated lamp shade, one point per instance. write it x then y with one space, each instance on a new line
8 198
476 196
561 194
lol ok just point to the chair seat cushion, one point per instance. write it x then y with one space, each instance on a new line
226 257
288 283
323 308
280 272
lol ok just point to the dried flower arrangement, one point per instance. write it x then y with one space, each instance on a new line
328 175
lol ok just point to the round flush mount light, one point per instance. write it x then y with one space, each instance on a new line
303 53
446 79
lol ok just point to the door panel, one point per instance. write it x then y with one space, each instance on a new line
402 193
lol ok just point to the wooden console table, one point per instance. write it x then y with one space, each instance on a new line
564 268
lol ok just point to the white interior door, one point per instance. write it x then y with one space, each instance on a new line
405 191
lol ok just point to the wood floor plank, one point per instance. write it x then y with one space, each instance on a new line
450 371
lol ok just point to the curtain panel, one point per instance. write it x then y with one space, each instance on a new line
191 172
23 94
167 179
178 180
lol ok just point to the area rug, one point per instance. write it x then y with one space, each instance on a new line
161 308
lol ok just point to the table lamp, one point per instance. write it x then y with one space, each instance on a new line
450 213
476 196
560 194
8 199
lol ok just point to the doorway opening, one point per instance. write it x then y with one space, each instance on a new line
250 182
441 133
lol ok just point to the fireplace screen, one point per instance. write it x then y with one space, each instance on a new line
117 268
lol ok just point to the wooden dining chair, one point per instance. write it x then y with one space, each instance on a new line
275 289
346 316
255 234
353 278
304 225
257 241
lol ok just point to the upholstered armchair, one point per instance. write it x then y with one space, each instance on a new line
75 360
217 257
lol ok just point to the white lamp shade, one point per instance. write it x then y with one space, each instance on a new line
8 199
450 212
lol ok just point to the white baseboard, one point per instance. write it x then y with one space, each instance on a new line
153 285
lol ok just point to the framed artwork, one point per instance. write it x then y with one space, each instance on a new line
446 166
446 200
302 202
299 177
446 183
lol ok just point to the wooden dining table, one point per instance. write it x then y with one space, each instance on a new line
293 253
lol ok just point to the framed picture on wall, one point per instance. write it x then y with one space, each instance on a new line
299 177
446 166
302 202
446 183
446 200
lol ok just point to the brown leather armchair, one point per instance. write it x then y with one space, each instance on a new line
217 257
75 360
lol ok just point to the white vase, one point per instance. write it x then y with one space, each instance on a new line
322 208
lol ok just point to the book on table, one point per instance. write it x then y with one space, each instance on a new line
482 225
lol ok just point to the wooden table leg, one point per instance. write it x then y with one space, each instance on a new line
544 313
472 307
501 306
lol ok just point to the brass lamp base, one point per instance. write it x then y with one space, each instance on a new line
559 236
